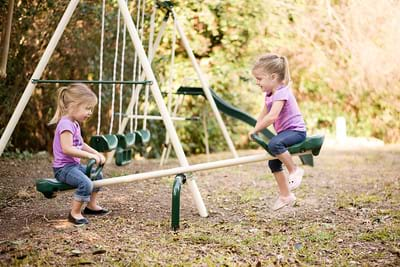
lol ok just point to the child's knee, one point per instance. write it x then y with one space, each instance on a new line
275 165
86 187
276 147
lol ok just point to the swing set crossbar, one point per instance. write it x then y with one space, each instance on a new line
37 81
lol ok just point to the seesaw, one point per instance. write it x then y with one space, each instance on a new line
312 145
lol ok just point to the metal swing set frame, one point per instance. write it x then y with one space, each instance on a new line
145 61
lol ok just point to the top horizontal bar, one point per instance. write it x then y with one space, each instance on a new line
91 82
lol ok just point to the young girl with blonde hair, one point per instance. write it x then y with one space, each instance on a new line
74 105
280 109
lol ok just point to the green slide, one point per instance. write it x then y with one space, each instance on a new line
236 113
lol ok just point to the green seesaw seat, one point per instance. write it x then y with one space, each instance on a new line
312 143
50 186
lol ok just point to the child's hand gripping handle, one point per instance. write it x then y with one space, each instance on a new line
93 174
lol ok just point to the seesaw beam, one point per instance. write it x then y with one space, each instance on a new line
188 169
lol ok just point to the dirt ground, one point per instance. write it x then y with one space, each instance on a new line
347 214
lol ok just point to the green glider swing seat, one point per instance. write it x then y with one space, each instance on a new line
312 143
104 143
123 154
50 186
142 137
137 139
126 140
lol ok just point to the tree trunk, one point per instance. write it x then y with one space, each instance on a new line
6 41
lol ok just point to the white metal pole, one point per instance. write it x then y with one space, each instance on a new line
161 105
132 102
143 76
205 85
167 149
187 169
37 74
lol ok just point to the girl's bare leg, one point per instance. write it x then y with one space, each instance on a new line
92 204
283 186
287 160
76 209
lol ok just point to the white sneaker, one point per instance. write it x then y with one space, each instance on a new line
284 201
295 178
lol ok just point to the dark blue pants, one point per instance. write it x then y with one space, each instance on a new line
75 175
279 144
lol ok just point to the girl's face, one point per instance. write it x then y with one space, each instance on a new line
81 112
267 82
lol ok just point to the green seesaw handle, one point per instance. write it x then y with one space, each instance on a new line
95 173
260 142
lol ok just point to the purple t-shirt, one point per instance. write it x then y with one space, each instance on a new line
290 117
65 124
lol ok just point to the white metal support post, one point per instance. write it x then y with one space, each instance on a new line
205 85
129 109
161 105
37 74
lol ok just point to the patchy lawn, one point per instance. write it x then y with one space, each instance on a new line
348 214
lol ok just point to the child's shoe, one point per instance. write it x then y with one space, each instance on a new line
284 201
77 221
88 211
295 178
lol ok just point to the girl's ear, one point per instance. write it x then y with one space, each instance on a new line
274 76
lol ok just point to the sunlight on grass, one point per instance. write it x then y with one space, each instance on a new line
315 233
384 234
360 200
250 194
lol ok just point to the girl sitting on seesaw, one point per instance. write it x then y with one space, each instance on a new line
280 109
74 105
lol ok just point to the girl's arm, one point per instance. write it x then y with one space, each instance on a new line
89 149
266 119
66 138
262 114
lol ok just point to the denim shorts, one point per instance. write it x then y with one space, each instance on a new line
279 144
74 174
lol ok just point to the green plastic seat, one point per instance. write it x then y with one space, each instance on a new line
104 143
126 140
142 137
50 186
312 143
123 156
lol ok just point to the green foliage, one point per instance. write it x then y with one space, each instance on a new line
336 71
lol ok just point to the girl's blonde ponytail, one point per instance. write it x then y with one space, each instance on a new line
287 79
60 106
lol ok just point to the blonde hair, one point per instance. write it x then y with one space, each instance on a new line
273 63
74 94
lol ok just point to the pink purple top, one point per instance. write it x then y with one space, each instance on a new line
290 117
61 159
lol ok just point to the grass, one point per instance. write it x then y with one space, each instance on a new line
350 220
383 234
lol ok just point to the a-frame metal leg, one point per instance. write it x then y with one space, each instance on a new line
205 85
155 89
129 109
